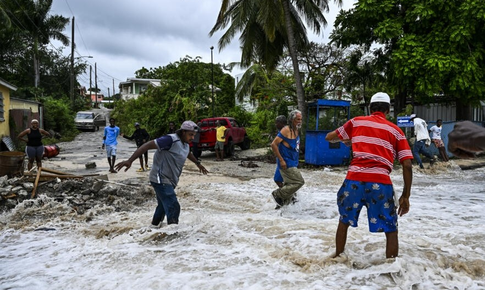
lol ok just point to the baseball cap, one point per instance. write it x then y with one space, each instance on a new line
189 126
137 124
412 116
380 97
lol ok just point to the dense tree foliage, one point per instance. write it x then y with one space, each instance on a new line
425 49
35 27
184 94
29 61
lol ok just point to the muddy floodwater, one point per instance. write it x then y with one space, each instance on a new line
230 236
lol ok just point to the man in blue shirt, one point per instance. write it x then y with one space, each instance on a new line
110 141
168 161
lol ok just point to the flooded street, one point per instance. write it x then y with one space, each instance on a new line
231 237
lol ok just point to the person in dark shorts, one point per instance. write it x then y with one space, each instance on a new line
375 143
34 148
220 140
140 136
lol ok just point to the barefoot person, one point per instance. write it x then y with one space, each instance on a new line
110 141
286 147
34 148
168 161
375 143
466 139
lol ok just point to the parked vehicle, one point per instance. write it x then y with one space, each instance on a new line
87 120
235 135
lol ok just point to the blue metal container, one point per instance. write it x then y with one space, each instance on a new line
323 117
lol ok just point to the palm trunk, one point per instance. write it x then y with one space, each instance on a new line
36 64
36 71
294 59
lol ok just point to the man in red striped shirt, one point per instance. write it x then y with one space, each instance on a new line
375 143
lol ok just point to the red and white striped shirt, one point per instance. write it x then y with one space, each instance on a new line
376 143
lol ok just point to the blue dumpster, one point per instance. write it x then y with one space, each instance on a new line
323 117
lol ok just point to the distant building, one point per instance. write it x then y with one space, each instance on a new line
95 98
133 87
5 89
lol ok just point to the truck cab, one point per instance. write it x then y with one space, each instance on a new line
235 135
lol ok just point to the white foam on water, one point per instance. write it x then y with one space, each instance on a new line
230 237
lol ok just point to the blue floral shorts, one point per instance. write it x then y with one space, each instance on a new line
377 197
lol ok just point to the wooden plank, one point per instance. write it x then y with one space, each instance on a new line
54 171
36 182
60 176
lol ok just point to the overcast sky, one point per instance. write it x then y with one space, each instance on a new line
124 35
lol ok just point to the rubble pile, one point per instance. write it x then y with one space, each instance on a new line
79 195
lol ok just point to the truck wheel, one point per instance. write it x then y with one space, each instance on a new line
246 144
229 149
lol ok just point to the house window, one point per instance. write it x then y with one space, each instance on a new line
2 111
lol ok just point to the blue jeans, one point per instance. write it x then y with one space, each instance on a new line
167 204
420 147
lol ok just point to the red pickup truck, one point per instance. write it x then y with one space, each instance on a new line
235 135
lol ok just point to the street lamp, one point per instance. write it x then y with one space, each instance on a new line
73 75
212 86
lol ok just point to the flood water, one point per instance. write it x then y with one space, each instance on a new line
230 237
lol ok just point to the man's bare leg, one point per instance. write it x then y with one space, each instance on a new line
340 238
392 245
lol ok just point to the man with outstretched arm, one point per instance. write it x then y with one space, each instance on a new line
168 161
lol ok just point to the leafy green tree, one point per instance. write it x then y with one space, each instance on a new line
425 48
362 77
264 87
58 116
184 94
267 27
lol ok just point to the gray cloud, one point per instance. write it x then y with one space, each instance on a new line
124 36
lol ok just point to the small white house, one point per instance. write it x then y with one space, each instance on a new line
133 87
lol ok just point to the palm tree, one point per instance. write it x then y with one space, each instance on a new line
32 16
269 26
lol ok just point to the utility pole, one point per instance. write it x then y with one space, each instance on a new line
96 84
72 64
212 86
114 92
90 85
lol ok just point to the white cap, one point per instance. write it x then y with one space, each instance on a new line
380 97
189 126
412 116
